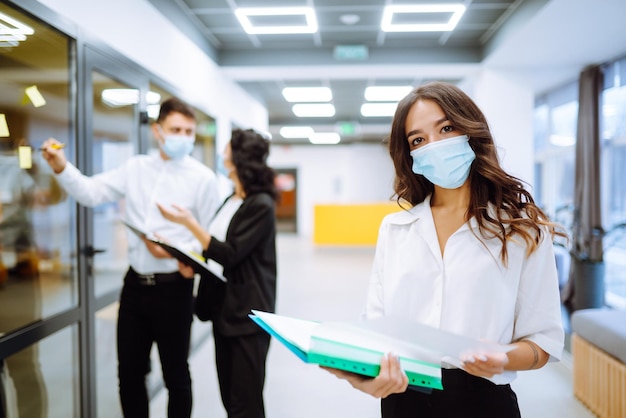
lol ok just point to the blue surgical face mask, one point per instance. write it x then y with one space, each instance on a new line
176 146
221 168
445 163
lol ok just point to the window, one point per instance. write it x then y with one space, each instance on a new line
613 188
555 121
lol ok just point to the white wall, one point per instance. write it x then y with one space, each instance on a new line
139 32
359 173
507 100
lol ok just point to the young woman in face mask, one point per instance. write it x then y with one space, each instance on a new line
472 255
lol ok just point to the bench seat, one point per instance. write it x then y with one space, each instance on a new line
599 353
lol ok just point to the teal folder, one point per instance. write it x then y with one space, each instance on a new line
313 343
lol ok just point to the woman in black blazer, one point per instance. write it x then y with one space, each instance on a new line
240 246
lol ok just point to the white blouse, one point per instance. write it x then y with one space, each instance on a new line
468 291
219 228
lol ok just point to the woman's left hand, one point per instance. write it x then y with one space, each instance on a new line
485 364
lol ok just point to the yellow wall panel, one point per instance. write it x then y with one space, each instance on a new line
355 224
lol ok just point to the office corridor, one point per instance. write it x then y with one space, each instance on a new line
330 284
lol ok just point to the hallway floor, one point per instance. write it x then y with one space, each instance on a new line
330 284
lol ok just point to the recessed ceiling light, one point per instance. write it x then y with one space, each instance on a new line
313 110
270 13
9 38
125 97
296 131
307 94
12 31
386 93
15 27
153 110
349 19
152 97
387 24
325 138
120 97
373 110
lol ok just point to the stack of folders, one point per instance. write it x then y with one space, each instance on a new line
358 347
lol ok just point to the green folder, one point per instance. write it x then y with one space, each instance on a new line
299 336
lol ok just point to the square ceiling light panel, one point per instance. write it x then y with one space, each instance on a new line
12 31
325 138
296 131
378 110
386 93
313 110
421 17
277 20
307 94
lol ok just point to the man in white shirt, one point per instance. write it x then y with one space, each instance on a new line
156 301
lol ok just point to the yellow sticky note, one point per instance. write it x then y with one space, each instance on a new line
25 156
4 128
35 96
200 257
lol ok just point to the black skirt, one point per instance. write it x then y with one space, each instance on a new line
463 396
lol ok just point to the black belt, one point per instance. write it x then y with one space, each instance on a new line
153 279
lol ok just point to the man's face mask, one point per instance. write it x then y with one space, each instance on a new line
445 163
176 146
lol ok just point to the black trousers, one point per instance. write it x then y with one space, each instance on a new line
464 396
240 365
149 313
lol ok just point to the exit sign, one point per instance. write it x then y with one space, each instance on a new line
347 128
351 52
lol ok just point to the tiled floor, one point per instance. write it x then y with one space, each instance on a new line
330 284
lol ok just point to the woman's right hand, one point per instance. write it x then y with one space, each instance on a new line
177 214
183 216
391 378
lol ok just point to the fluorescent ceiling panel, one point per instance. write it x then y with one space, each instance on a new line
387 24
120 97
153 110
10 26
16 37
153 97
244 14
125 97
313 110
325 138
307 94
386 93
296 131
12 31
373 110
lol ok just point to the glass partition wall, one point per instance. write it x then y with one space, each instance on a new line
39 285
62 265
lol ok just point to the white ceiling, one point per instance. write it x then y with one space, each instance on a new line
549 40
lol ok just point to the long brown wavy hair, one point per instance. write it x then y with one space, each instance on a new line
516 213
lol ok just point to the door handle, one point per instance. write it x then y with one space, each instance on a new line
90 251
